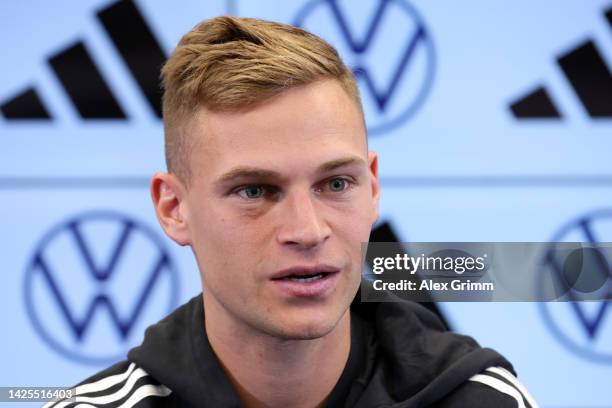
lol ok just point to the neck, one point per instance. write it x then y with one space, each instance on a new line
270 372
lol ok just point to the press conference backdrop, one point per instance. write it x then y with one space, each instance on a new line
492 121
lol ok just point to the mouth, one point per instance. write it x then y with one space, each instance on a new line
305 273
306 278
306 281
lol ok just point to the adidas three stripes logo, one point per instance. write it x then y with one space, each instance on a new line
588 75
81 79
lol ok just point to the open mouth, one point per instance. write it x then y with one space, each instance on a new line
305 278
313 282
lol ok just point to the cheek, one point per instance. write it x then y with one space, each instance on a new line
229 244
363 212
212 237
354 225
215 226
357 229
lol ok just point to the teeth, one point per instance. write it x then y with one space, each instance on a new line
306 279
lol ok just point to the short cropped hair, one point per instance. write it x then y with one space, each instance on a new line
230 64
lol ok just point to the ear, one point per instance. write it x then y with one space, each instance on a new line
373 166
167 193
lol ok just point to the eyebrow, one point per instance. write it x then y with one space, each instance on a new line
256 172
343 162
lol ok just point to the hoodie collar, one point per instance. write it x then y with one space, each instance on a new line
401 356
176 352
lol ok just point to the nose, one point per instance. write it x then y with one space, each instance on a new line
302 224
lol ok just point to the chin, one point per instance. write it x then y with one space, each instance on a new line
306 327
305 333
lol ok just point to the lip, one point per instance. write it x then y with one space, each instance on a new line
302 270
316 289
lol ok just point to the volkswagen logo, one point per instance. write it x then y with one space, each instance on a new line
95 282
583 327
389 49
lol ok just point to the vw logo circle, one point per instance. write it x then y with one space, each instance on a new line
582 326
388 48
94 282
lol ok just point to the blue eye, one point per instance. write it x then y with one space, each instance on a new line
251 192
337 184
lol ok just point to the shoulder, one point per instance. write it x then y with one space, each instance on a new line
494 386
123 384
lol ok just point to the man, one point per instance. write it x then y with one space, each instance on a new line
271 184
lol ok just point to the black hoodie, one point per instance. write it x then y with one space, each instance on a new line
401 357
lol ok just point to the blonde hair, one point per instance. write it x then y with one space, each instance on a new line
228 64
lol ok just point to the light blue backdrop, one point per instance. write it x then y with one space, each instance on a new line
455 163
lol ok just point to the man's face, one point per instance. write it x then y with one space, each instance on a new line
279 193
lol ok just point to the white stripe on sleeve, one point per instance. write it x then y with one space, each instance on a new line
500 386
106 382
512 379
141 393
99 385
117 395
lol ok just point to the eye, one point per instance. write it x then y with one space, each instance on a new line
251 192
338 184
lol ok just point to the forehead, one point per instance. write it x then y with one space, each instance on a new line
302 127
